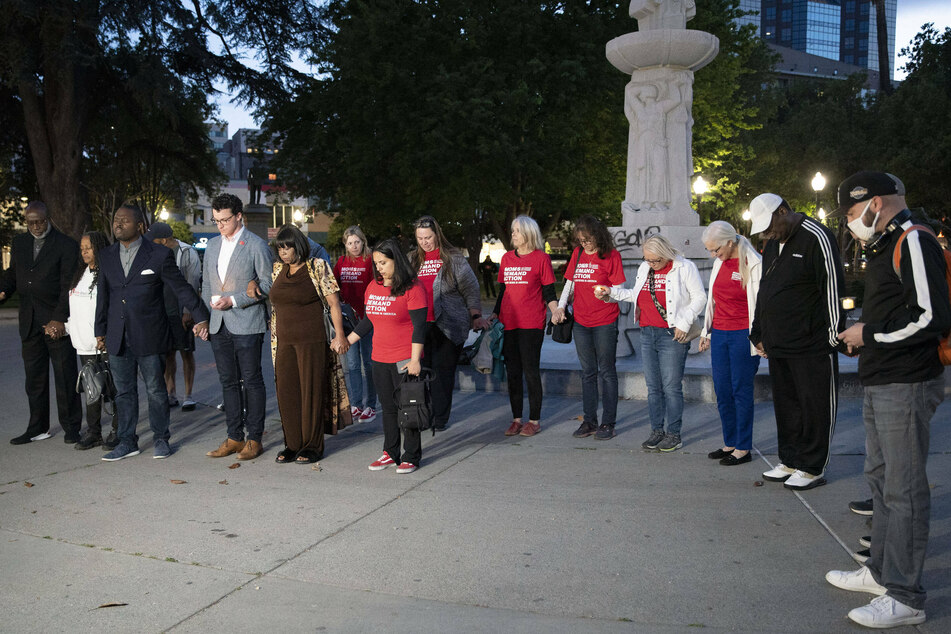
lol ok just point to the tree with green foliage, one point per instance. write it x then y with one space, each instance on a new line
912 130
478 112
64 61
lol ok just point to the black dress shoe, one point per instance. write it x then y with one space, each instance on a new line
22 439
718 454
732 461
71 439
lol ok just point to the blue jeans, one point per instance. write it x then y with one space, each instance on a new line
238 358
152 368
597 352
664 360
897 436
359 354
734 369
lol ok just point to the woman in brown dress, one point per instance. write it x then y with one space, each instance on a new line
303 364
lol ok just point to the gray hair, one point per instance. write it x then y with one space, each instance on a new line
529 229
720 233
661 246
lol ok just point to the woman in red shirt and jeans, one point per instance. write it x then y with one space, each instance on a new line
595 263
354 271
396 308
527 285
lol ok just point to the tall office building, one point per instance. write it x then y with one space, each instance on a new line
843 30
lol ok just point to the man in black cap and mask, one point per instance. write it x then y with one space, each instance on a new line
905 312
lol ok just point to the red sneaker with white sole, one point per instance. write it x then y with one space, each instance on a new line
367 415
382 463
406 467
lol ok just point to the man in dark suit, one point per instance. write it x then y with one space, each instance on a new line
42 264
132 325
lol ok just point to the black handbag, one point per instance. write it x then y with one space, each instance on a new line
414 406
561 333
95 381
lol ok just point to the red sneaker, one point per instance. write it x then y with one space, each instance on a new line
514 428
530 429
367 415
354 412
406 467
382 463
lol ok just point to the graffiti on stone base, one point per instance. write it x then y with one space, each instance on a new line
626 240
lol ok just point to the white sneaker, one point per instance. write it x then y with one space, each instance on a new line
42 436
779 473
884 612
802 481
855 580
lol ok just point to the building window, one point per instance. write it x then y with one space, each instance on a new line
848 59
786 15
770 13
786 35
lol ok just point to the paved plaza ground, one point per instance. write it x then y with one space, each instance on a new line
492 534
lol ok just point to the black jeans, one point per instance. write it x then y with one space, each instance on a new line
387 379
94 410
441 356
238 358
522 348
39 351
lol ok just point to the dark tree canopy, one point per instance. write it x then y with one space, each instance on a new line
69 62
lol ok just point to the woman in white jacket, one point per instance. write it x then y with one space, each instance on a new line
82 318
669 297
731 301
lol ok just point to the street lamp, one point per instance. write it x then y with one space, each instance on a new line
747 215
818 184
163 215
822 214
700 186
298 215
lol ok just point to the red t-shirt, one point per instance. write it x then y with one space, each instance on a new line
587 272
649 315
392 326
730 310
353 275
524 276
427 275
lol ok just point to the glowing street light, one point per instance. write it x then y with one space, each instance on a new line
298 215
822 213
163 215
700 186
818 184
747 215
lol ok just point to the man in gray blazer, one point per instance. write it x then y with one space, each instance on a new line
238 322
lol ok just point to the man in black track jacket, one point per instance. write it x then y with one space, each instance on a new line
905 313
795 325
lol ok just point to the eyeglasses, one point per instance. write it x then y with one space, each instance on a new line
657 261
424 224
715 251
223 221
585 240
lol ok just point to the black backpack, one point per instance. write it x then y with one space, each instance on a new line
95 381
414 405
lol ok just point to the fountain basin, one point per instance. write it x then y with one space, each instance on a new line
667 48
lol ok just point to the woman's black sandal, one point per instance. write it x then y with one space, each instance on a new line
286 457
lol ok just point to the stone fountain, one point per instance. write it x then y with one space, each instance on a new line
661 58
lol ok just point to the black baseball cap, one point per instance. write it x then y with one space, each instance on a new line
863 186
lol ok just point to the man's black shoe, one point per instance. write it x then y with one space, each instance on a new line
88 442
862 507
21 439
111 442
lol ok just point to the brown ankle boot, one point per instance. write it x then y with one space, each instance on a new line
251 450
227 448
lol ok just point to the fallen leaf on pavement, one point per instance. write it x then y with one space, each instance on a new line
112 604
177 481
758 483
28 484
316 466
222 482
579 417
234 466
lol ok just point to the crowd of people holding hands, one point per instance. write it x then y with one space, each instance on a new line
344 337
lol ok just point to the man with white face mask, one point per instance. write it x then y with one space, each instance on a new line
904 313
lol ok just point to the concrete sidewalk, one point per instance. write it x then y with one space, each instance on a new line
492 534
